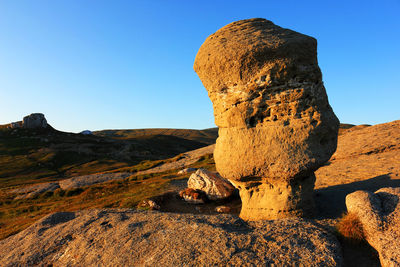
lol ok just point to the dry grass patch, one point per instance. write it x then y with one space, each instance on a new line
350 227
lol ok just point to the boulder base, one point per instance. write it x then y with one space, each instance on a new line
270 200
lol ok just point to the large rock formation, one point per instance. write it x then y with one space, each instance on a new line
132 238
35 120
276 126
379 215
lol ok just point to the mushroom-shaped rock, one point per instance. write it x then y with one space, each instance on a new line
379 215
276 126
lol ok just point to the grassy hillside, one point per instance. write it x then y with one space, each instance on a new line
30 156
207 136
16 215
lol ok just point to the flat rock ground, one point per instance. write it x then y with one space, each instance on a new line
366 159
145 238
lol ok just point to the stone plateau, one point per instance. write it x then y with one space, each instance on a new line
276 126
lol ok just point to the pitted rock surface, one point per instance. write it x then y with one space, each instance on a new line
140 238
275 121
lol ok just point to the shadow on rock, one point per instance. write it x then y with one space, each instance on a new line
330 201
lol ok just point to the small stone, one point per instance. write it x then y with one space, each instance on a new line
223 209
187 170
194 196
149 204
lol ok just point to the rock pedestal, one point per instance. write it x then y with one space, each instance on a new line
277 199
276 126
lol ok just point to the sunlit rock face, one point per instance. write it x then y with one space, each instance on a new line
276 126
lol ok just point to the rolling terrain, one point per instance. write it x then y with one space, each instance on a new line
207 136
38 155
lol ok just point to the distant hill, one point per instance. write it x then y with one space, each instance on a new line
30 156
345 127
206 136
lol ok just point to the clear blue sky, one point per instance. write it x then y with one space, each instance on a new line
93 64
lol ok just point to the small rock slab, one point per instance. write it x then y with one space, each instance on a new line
85 180
211 183
35 190
148 238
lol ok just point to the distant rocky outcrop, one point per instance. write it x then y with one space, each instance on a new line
15 125
148 238
35 120
379 214
32 121
86 132
276 126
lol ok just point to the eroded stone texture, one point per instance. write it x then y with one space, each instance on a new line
276 126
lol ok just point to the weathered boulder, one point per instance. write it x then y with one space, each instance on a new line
211 183
276 126
379 214
35 120
149 238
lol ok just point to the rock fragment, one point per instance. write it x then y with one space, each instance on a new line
194 196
